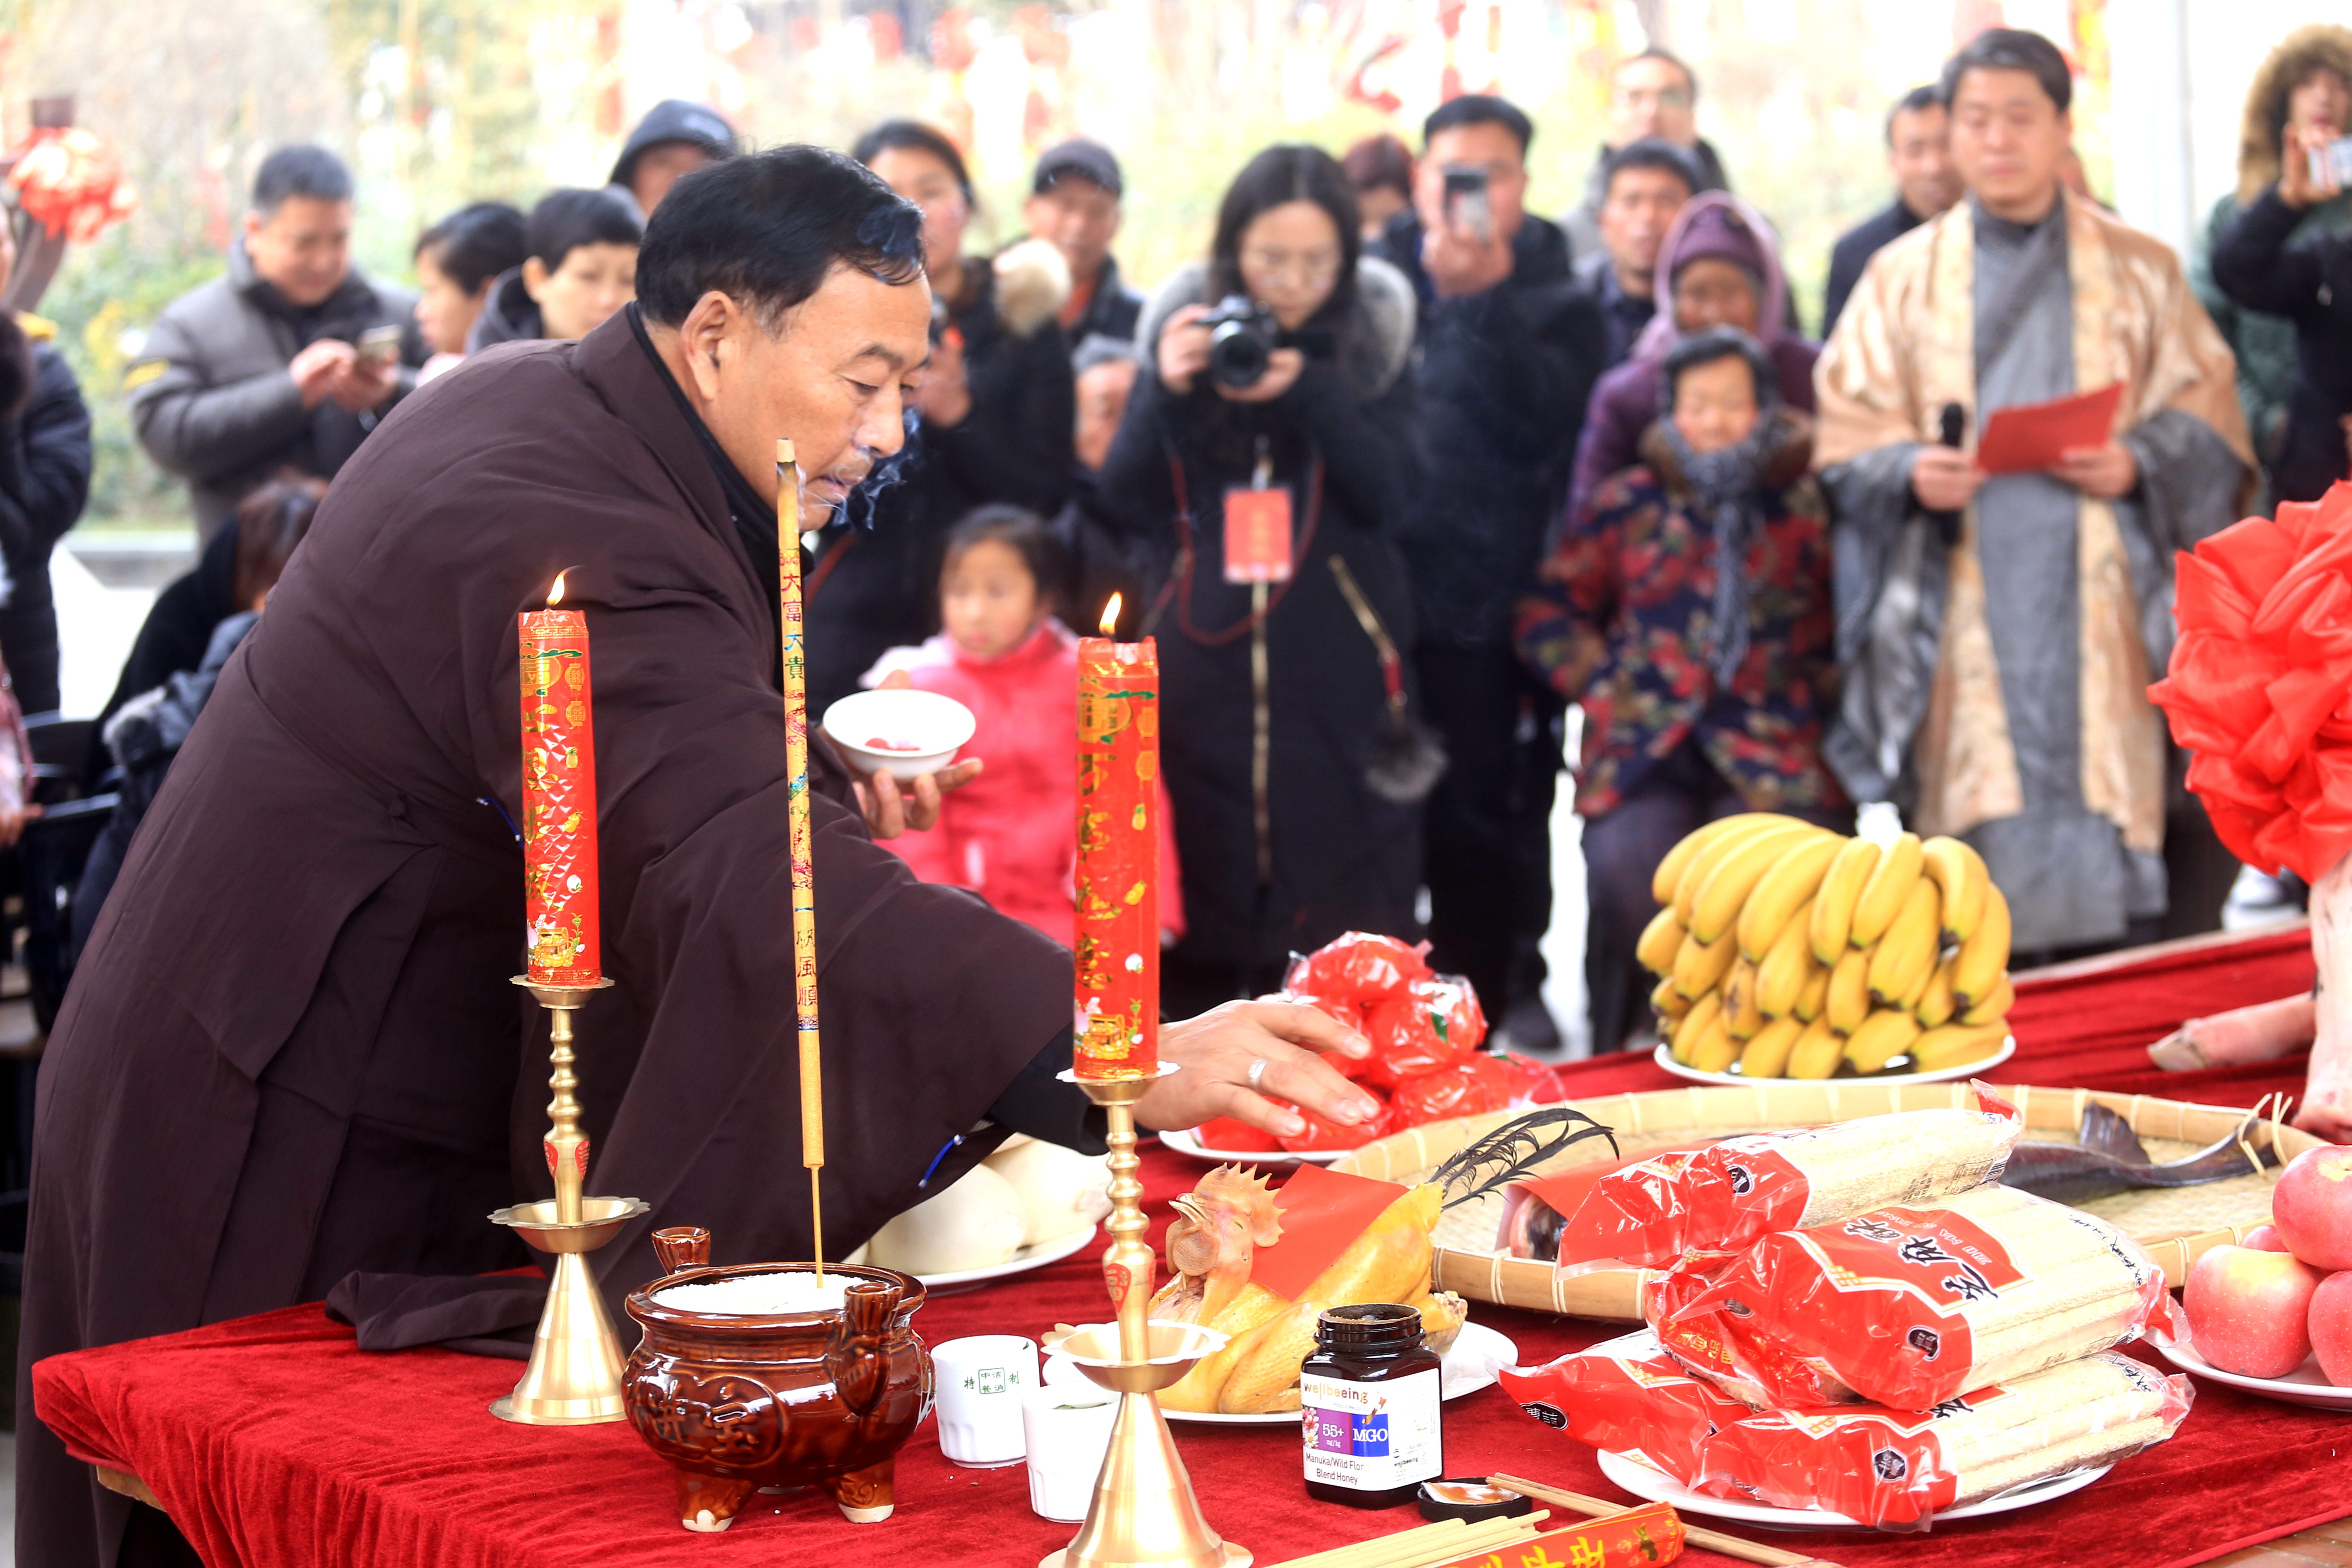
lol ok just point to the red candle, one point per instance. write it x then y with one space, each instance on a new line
559 795
1117 955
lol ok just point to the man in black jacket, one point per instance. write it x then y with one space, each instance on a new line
44 480
1073 205
1508 348
1918 154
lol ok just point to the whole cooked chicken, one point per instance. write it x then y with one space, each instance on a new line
1212 1244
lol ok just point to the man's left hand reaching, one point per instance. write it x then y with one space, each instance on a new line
2107 472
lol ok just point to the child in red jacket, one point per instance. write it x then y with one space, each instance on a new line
1009 835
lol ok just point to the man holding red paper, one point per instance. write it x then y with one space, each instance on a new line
2001 613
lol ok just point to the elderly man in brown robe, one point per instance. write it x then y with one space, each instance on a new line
1997 633
292 1063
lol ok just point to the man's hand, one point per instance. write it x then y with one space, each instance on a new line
12 823
364 383
2105 472
944 394
2296 187
890 807
318 369
1460 263
1282 368
1216 1049
1943 479
1183 349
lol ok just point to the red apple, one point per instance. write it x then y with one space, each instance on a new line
2249 1312
2331 1327
2312 1206
2264 1238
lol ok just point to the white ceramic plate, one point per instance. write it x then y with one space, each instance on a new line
1468 1366
1021 1262
1665 1058
1655 1486
1184 1143
2306 1385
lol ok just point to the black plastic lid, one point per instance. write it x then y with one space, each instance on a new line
1470 1499
1374 1326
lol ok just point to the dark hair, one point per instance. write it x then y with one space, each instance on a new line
1288 172
1024 532
1478 109
2011 49
1379 160
270 521
565 220
475 244
1917 101
765 229
1690 77
1651 152
1706 347
299 171
914 136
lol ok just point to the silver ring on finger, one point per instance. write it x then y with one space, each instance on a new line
1256 1075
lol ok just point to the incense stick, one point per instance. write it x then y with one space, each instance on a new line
803 866
1448 1540
1714 1541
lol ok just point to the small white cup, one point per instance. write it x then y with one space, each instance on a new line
982 1382
1068 1431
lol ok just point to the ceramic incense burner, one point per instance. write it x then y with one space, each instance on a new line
738 1403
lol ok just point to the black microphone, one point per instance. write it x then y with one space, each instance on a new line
1952 425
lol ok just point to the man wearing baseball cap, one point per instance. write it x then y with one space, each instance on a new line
674 137
1073 205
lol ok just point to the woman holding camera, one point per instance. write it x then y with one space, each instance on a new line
1260 472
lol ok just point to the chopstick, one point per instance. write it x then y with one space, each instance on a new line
1447 1540
1714 1541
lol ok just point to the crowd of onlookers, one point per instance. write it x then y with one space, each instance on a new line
1398 473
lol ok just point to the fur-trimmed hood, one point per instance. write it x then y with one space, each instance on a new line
2260 128
1792 454
1374 344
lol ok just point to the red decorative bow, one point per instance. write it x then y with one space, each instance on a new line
71 183
2260 684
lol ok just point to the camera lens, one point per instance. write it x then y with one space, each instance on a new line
1238 354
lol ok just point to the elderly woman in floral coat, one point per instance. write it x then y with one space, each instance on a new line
1687 610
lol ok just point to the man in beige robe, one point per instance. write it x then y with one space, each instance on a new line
1998 631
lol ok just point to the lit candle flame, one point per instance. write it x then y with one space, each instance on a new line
555 594
1110 616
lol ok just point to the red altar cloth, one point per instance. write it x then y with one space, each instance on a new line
270 1436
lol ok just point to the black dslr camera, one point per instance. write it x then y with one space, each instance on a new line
1242 338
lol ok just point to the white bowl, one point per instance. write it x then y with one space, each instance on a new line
934 726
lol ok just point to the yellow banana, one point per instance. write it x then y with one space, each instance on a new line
1956 1044
1960 872
1883 895
1785 968
1840 890
1670 1003
1908 953
1711 854
1693 1023
1660 939
1816 997
1849 998
1731 879
1936 1004
1817 1052
1741 1017
1784 891
1701 966
1995 1005
1883 1035
1715 1050
1669 874
1766 1054
1978 966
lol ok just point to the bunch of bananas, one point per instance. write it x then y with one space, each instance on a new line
1792 951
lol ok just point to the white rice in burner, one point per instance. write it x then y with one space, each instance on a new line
750 1295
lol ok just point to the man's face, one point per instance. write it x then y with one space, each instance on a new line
1639 209
1076 217
303 250
835 382
2321 100
1652 97
1919 154
1485 146
662 165
2008 141
1103 392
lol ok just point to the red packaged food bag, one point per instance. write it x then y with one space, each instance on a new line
1482 1083
1720 1199
1533 1083
1235 1136
1356 969
1323 1133
1428 1025
1627 1394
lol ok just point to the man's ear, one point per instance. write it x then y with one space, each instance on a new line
253 225
534 277
709 337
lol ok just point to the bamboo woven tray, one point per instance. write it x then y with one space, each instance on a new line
2175 1224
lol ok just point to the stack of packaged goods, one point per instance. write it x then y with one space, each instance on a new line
1858 1317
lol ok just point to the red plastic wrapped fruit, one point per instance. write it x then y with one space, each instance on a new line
1466 1089
1322 1134
1235 1136
1356 970
1430 1024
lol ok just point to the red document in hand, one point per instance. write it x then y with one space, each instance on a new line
2029 437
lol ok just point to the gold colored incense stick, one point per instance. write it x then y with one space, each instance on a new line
804 859
1709 1540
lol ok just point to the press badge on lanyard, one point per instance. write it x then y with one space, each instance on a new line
1258 529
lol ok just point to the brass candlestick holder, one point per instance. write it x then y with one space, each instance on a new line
574 1376
1144 1514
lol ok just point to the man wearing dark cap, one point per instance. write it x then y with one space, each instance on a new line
674 137
1073 205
